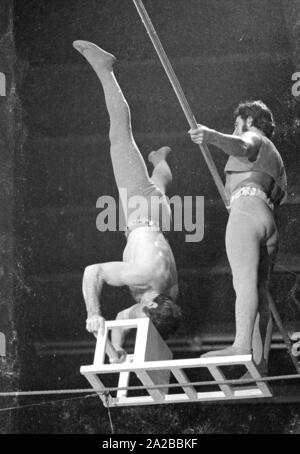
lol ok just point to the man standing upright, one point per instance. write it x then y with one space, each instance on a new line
256 186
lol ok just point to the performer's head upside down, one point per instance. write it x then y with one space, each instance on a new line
148 267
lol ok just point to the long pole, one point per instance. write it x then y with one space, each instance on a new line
205 151
180 94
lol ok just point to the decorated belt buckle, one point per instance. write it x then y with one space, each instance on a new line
246 190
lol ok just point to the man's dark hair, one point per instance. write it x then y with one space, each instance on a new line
166 316
261 114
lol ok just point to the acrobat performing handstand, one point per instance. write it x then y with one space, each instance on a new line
148 267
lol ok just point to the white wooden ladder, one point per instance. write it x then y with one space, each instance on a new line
152 364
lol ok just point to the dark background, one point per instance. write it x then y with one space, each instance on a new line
222 52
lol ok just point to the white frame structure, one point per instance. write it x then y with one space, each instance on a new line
153 364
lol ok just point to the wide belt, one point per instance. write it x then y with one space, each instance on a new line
251 191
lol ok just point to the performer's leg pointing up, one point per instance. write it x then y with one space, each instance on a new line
128 164
161 175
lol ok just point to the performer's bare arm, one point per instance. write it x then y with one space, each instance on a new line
246 145
116 274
